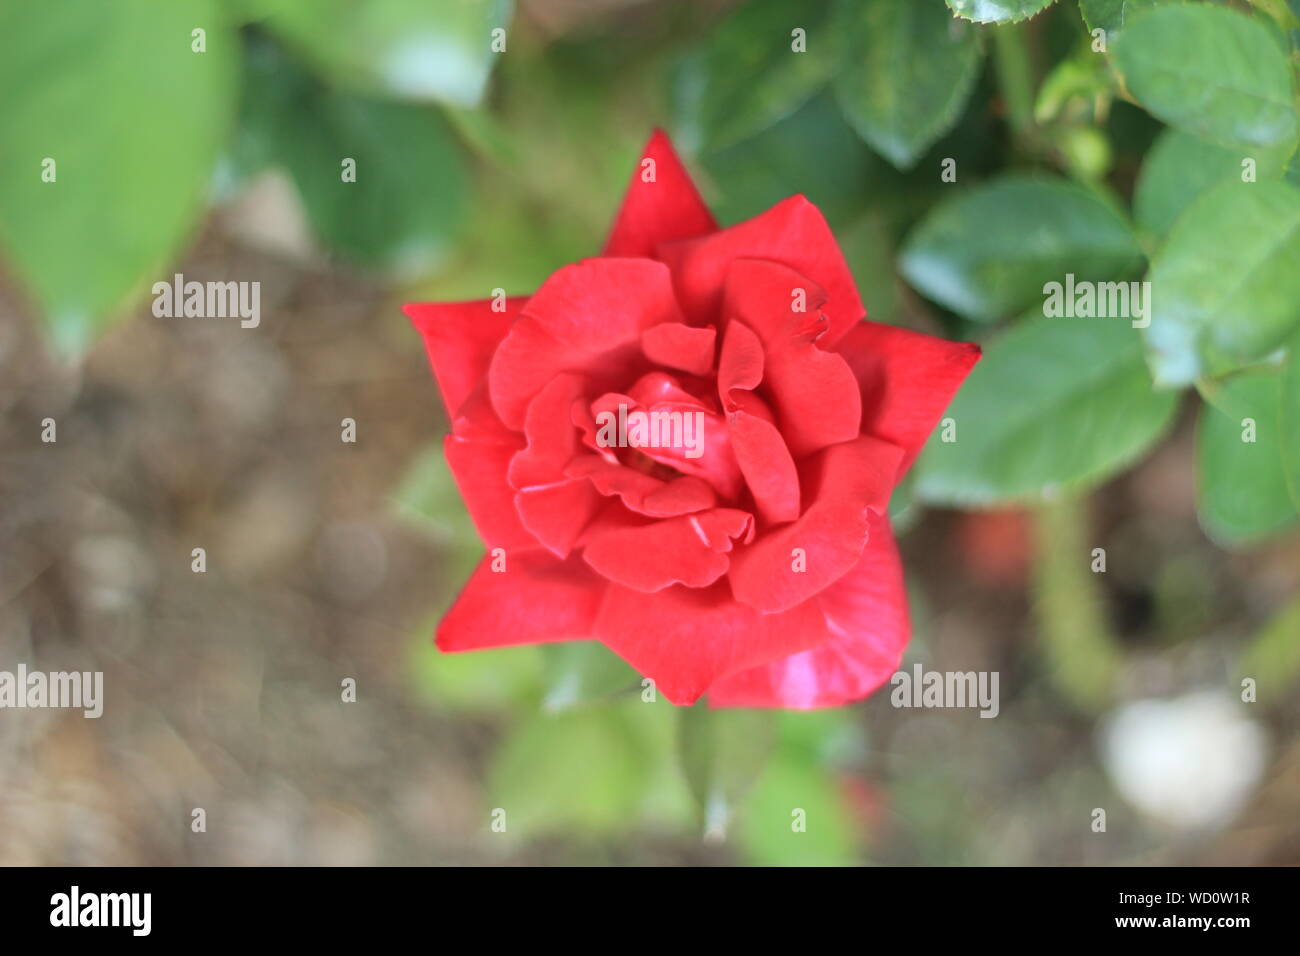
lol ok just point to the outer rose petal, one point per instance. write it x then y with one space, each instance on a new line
587 317
867 619
667 208
535 599
460 338
845 483
907 380
478 452
685 639
793 233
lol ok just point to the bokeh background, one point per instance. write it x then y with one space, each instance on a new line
480 169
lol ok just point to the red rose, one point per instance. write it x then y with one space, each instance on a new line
749 556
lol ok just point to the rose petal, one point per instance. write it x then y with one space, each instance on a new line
741 365
685 639
649 556
587 317
678 346
907 380
760 450
535 599
556 515
478 452
549 430
815 394
665 208
643 493
792 232
843 483
460 338
779 304
867 620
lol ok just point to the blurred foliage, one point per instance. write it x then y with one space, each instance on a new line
106 163
964 161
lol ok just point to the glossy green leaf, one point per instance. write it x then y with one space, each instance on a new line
997 11
1055 404
813 151
131 117
987 252
722 754
408 195
908 71
1241 491
420 49
1225 285
758 65
1211 71
869 250
1180 167
1112 15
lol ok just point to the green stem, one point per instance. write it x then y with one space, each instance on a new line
1081 655
1015 71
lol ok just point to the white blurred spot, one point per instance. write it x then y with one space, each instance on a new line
1189 762
429 66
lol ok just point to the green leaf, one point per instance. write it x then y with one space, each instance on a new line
722 754
813 151
987 252
409 193
581 772
749 73
1225 285
133 119
1055 404
1180 167
583 672
1289 423
1112 15
1212 71
997 11
796 816
804 774
1273 656
1241 485
418 49
909 69
869 251
479 682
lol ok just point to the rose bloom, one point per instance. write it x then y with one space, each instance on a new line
760 569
